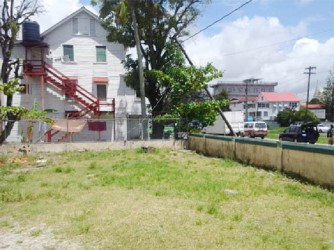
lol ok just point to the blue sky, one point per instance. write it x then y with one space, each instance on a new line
274 40
318 15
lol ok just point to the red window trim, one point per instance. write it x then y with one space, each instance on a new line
100 79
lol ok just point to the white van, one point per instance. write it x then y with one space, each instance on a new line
255 129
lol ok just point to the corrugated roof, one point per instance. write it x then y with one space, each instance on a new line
278 97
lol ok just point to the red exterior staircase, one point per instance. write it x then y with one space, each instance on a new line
89 102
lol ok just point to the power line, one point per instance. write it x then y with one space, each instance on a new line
210 25
277 43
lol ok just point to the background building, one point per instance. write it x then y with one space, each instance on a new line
263 103
250 88
269 104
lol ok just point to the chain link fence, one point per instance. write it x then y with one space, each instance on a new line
92 130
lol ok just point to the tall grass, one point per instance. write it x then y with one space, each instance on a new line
166 199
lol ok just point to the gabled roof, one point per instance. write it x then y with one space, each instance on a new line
277 97
82 9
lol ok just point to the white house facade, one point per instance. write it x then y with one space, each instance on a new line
74 70
267 105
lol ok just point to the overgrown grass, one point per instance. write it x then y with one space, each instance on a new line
166 199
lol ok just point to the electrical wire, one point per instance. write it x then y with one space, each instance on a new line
210 25
230 13
278 43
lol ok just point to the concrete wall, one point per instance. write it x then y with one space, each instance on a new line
314 163
256 152
15 149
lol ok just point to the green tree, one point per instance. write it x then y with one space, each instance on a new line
18 113
301 115
10 114
160 22
328 96
315 101
13 14
34 115
285 117
186 99
223 96
289 116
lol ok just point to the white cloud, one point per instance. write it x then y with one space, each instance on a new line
247 47
264 48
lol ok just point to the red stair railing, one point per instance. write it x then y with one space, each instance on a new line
90 102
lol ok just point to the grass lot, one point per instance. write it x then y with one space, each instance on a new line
273 133
162 199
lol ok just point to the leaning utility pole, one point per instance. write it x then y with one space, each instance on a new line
206 89
308 85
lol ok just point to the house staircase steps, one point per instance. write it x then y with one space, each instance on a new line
88 102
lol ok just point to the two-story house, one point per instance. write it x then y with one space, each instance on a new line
269 104
72 68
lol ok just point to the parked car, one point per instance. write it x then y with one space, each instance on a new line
323 128
306 132
255 129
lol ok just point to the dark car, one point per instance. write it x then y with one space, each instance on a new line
306 132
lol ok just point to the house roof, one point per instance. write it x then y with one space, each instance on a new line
313 106
64 20
278 97
243 99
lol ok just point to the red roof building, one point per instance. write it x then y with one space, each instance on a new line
277 97
313 106
317 109
267 105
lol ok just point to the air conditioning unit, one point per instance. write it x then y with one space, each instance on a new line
65 58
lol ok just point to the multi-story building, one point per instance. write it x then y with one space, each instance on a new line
244 92
263 103
249 88
267 105
72 68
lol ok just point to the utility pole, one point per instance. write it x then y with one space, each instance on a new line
206 89
246 101
141 74
309 72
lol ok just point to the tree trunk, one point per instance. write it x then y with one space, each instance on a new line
157 109
6 132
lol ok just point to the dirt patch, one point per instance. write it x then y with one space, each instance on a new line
35 238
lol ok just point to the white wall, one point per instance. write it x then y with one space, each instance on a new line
84 68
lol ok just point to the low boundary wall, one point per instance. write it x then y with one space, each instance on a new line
10 149
314 163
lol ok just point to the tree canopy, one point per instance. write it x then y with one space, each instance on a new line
169 83
328 96
289 116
